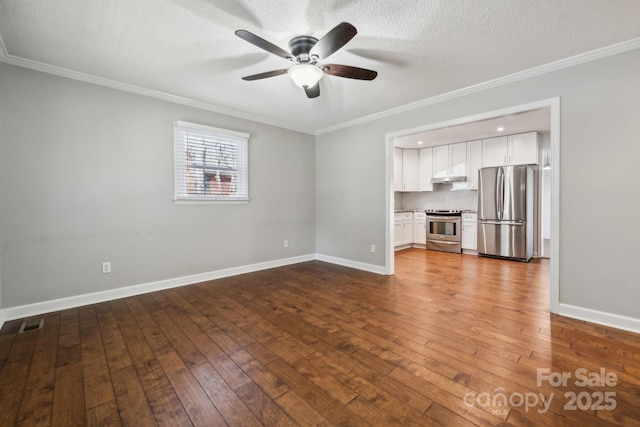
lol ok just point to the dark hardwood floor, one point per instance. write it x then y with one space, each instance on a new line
449 340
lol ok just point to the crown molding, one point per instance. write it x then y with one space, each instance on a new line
100 81
511 78
519 76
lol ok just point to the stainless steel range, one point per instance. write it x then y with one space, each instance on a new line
444 230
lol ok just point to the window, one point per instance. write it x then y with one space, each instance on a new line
211 164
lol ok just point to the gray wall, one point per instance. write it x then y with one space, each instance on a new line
600 149
86 176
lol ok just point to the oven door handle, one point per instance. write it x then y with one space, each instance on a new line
443 218
444 242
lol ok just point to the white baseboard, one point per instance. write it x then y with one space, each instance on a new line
18 312
2 318
43 307
401 247
600 317
353 264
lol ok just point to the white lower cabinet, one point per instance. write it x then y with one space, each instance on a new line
397 232
419 228
403 229
407 232
469 238
410 230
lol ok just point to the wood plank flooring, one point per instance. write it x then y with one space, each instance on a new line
450 340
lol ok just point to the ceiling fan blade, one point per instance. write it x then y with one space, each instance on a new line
266 75
263 44
349 72
333 40
313 92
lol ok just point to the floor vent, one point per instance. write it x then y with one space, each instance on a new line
31 325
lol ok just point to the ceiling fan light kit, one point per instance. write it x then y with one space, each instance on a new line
306 53
305 75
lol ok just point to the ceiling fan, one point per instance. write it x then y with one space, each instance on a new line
307 52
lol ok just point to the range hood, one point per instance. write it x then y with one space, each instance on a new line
448 179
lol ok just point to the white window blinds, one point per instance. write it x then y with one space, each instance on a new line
211 164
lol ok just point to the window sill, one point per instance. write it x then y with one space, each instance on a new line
210 202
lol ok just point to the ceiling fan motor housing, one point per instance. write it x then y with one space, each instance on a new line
300 47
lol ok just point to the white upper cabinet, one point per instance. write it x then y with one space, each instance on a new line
426 166
494 151
474 162
521 149
524 149
397 169
458 159
450 160
410 170
413 169
441 161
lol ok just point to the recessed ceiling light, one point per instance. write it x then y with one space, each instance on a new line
419 142
500 129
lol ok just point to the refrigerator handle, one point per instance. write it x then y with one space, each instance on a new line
517 223
500 193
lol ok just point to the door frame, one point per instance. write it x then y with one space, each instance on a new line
554 107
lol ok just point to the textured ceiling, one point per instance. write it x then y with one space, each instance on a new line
420 48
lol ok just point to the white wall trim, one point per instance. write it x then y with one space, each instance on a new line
511 78
3 318
43 307
113 84
353 264
600 317
589 315
389 202
554 255
39 308
522 75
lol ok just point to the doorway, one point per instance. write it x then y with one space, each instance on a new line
552 145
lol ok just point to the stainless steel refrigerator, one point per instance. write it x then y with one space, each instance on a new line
505 212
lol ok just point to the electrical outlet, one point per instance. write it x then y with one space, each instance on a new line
373 249
106 267
286 243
